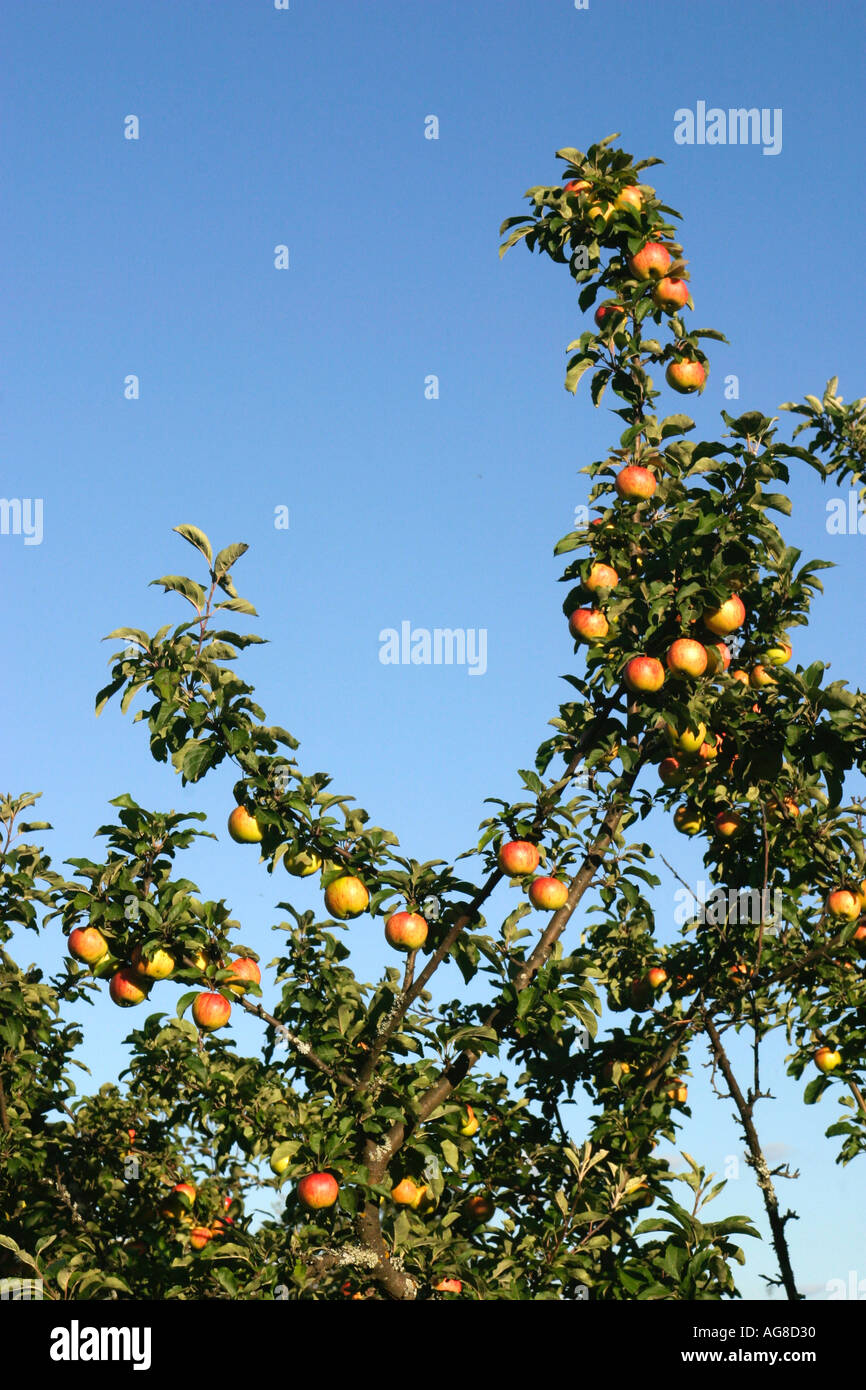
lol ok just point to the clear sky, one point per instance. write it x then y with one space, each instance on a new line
304 388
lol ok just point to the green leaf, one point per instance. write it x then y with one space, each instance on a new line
196 538
451 1154
227 557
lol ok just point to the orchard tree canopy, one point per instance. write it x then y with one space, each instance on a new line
417 1142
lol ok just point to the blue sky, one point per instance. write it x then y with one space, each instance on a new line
304 388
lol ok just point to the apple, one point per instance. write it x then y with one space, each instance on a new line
245 971
185 1189
727 617
318 1190
575 186
199 1237
605 311
630 197
641 995
346 897
303 863
279 1165
677 1091
602 210
448 1286
718 658
687 658
759 677
634 483
656 976
827 1060
548 894
741 676
780 652
860 932
670 772
518 858
650 262
686 376
157 966
607 1069
407 1193
843 904
687 740
211 1011
643 673
128 988
670 294
728 823
480 1207
779 812
862 892
588 625
739 969
470 1125
687 819
708 752
243 827
87 944
601 577
406 931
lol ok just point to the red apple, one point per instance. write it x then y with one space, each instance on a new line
728 823
577 186
243 827
759 677
601 577
650 262
519 858
630 197
549 894
656 976
670 294
607 311
87 944
128 988
211 1011
843 904
687 658
318 1190
346 897
727 617
199 1237
245 971
588 625
448 1286
480 1207
407 1193
670 772
686 376
718 658
406 931
643 673
635 483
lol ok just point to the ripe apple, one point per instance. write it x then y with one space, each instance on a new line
634 483
470 1125
686 376
577 186
718 658
741 676
778 812
860 932
128 988
588 625
686 657
243 827
643 673
406 931
318 1190
656 976
759 676
245 971
185 1189
827 1060
727 617
862 892
199 1237
407 1193
843 904
686 740
670 294
780 652
303 863
601 577
650 262
708 752
611 310
87 944
211 1011
602 210
448 1286
670 772
630 197
687 819
728 823
519 858
346 897
548 894
678 1091
480 1207
157 966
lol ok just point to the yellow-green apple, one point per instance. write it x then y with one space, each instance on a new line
601 577
243 827
199 1237
727 617
643 674
686 740
650 262
608 311
245 972
686 376
318 1190
718 658
630 197
211 1011
728 823
670 772
87 944
548 894
158 965
346 897
518 858
480 1207
588 625
406 931
634 483
826 1059
780 652
759 676
670 294
470 1125
602 210
687 819
128 988
844 904
279 1165
678 1091
686 657
303 863
448 1286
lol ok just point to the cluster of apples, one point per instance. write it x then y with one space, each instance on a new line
179 1208
519 859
